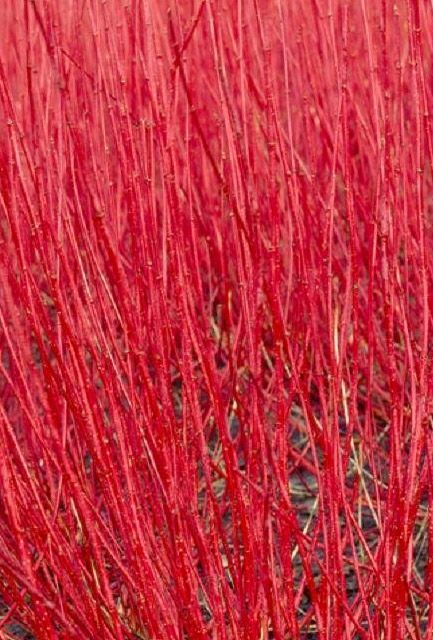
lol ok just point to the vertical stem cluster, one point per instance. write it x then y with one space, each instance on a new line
215 319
